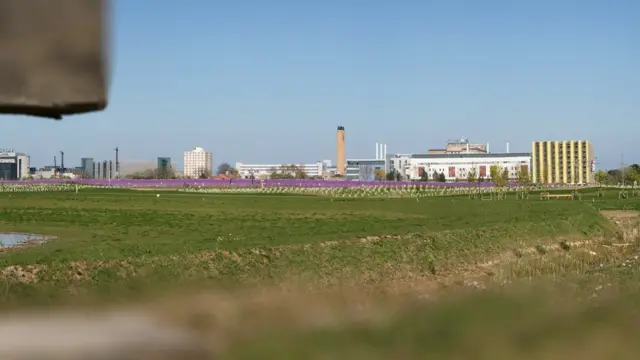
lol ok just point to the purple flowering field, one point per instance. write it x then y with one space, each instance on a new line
248 183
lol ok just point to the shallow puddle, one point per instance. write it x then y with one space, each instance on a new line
8 240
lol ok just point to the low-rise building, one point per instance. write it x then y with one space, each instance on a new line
363 169
258 171
458 166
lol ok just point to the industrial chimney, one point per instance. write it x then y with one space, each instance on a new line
507 148
340 156
377 151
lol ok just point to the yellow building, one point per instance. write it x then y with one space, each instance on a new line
562 162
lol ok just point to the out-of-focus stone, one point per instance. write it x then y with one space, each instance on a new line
106 336
53 57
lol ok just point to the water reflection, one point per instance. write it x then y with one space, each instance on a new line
8 240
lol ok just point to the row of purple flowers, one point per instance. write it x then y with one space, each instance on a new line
250 183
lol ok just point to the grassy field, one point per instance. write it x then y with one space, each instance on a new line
388 260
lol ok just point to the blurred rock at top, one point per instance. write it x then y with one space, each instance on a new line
53 57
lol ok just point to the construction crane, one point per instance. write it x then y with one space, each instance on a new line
61 163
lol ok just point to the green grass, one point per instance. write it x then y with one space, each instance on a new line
103 225
110 239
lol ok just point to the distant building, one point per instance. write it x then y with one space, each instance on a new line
563 162
363 169
104 170
45 173
164 163
461 146
197 162
87 168
458 166
163 168
316 169
14 165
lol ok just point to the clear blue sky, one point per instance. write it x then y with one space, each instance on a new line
269 81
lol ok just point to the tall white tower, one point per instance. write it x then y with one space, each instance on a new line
198 163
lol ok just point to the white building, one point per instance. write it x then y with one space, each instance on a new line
197 162
264 170
49 173
13 165
458 166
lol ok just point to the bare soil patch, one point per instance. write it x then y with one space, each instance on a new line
620 214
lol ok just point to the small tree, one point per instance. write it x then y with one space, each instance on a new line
499 176
523 175
164 173
471 176
204 174
631 176
392 175
435 176
442 178
148 174
226 169
291 171
494 172
424 175
602 177
299 172
380 174
615 176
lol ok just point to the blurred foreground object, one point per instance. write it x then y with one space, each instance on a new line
97 336
53 57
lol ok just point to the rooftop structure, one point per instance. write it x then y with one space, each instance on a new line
461 146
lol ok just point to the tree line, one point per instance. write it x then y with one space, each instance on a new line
287 171
168 172
628 175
